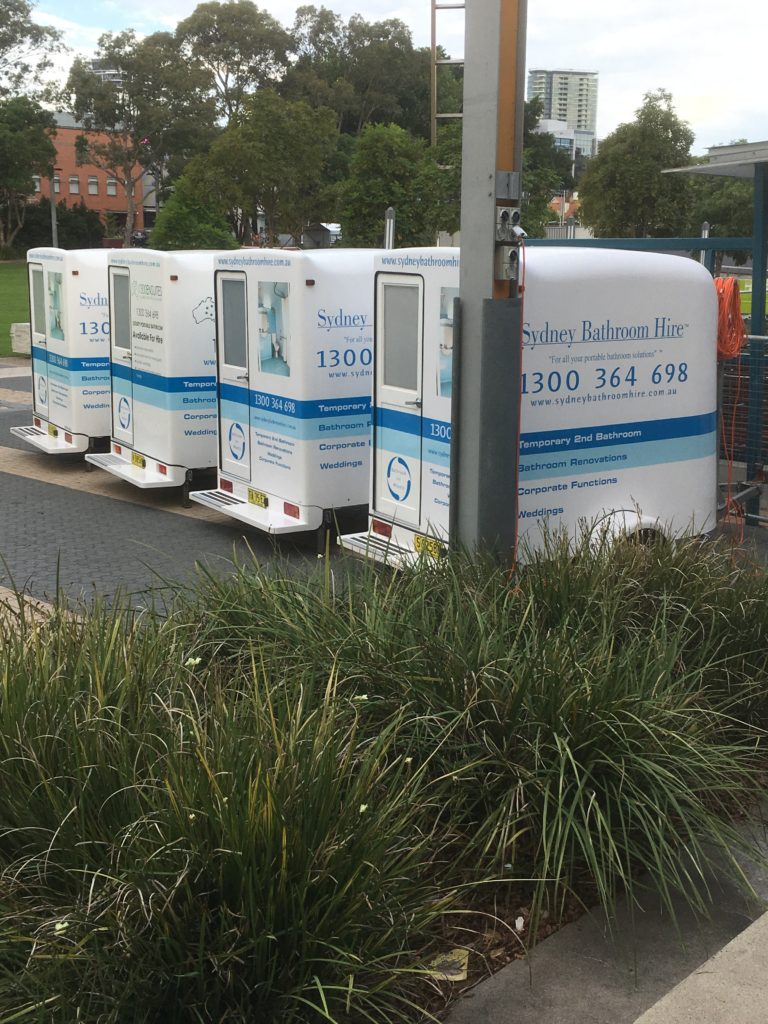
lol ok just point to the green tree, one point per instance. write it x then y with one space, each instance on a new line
153 111
188 222
725 203
272 161
25 47
78 227
546 171
391 167
623 191
25 150
240 48
365 71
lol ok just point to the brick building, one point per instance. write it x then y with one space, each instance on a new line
73 182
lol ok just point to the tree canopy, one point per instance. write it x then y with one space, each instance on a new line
153 110
391 167
273 161
25 150
25 47
239 48
187 221
623 191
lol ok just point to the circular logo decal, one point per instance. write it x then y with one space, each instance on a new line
398 478
124 412
237 441
42 389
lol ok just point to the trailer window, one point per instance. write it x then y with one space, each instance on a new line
55 306
233 321
121 310
401 336
38 301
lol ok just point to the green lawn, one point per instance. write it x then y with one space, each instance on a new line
14 305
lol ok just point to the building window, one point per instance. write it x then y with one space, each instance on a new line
36 179
111 186
93 185
56 183
74 185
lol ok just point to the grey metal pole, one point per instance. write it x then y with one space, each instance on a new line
54 222
390 218
484 505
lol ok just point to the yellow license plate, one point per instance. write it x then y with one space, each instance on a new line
257 498
138 460
52 431
428 545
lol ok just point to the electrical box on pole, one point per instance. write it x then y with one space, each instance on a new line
487 373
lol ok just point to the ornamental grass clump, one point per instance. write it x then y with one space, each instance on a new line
261 805
181 845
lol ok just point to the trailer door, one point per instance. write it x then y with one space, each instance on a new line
121 354
234 392
39 339
397 421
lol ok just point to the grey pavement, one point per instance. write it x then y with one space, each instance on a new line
591 972
56 539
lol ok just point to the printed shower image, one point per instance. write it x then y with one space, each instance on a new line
445 361
273 328
55 301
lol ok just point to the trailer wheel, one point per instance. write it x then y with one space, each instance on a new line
186 503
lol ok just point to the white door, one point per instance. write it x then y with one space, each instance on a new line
234 393
121 354
398 345
39 339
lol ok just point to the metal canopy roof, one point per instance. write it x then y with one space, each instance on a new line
735 161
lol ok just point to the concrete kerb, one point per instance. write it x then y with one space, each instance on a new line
590 973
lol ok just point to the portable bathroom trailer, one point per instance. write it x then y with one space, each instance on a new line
294 335
162 367
69 313
618 404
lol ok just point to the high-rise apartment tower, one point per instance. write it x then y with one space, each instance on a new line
569 96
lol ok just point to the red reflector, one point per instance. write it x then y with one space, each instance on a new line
291 510
383 529
117 449
67 436
162 469
37 422
226 485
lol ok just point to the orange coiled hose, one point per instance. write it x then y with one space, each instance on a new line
731 338
731 333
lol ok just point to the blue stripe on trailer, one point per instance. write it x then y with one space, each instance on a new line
90 364
320 408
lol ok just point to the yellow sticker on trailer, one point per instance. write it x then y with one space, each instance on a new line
257 498
428 545
138 460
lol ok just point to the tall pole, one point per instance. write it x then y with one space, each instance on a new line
54 223
487 373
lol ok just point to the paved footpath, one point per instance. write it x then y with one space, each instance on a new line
63 528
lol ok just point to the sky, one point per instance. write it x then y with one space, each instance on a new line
711 58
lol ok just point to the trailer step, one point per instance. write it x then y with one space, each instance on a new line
141 476
52 444
216 499
380 549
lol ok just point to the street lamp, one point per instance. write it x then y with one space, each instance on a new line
54 224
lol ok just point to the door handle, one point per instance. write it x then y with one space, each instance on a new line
416 402
242 376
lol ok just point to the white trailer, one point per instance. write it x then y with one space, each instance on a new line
69 317
295 335
618 407
162 367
